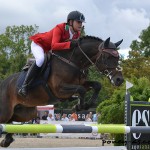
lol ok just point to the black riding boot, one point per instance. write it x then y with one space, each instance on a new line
31 74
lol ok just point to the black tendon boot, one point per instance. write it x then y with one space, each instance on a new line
31 74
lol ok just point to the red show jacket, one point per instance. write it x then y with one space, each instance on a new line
55 39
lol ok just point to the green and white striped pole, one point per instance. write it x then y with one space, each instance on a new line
58 128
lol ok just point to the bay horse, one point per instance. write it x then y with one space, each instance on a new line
67 78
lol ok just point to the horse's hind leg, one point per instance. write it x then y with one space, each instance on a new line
6 112
7 140
21 114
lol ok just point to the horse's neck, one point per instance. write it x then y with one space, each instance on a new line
87 49
87 52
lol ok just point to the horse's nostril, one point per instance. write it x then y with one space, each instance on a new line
119 80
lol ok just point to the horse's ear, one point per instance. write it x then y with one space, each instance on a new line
106 43
118 43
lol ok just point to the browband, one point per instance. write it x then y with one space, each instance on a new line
112 52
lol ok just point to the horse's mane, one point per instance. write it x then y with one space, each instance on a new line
90 37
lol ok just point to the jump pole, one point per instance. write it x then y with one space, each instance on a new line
58 128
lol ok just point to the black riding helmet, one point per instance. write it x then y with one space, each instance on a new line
75 15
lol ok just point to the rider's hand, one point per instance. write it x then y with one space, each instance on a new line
73 44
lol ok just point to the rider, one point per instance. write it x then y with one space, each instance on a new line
55 39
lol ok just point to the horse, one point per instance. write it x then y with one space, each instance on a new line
68 77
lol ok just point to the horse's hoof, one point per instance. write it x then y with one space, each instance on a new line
6 143
2 144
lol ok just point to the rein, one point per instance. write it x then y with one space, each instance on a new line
97 56
85 55
65 60
71 63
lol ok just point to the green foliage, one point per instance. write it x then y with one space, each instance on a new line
141 89
107 88
105 93
119 138
138 67
143 44
15 48
138 64
112 110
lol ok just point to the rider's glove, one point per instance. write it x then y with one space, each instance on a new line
73 44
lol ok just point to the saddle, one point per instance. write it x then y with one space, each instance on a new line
30 61
41 79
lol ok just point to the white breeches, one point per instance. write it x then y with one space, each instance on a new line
38 53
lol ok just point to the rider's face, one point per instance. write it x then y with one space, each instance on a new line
77 25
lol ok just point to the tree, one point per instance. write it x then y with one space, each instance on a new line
112 110
141 89
15 48
138 63
107 88
138 67
143 44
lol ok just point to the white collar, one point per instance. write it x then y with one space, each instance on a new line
71 34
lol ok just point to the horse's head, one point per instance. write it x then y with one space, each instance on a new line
102 54
107 61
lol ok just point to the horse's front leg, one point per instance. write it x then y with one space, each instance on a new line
96 86
72 90
7 140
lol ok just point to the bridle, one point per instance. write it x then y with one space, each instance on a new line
105 71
